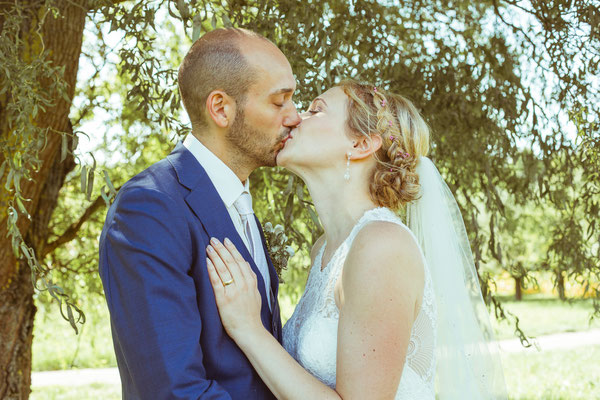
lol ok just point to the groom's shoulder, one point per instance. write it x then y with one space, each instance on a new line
160 177
157 181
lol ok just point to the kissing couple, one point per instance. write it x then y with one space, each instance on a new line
391 309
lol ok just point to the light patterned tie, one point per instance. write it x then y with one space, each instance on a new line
244 207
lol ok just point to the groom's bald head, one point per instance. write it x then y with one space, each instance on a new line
217 61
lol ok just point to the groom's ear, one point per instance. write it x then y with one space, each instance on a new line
365 146
220 107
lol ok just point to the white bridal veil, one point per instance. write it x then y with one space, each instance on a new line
468 359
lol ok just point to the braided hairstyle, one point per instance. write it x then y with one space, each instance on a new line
405 137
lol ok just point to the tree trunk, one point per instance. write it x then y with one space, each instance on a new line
62 36
560 285
518 288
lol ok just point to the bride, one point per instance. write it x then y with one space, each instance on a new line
388 312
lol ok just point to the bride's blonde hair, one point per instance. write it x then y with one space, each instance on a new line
405 137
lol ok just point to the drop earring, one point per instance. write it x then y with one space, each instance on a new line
347 174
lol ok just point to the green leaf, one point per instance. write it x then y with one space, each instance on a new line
315 219
290 185
64 148
83 179
111 187
75 142
25 251
90 185
197 27
71 318
226 21
94 160
289 208
21 206
104 194
9 179
300 191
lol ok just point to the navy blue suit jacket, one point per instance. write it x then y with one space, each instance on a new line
168 337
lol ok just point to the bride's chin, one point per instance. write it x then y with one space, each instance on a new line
283 158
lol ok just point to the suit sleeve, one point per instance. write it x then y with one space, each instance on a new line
145 257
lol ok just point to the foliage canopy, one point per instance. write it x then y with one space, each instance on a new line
510 89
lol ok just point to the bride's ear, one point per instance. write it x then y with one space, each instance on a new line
365 146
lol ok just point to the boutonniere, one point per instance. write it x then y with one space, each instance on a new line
277 246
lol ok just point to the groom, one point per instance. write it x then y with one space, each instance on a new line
236 87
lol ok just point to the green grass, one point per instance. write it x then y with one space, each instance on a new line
84 392
554 375
55 345
543 315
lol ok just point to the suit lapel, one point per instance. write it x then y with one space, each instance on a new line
207 205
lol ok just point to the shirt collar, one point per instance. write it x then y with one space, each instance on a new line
226 182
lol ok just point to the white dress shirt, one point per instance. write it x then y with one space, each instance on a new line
230 188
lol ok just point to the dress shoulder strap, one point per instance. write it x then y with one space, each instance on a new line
375 214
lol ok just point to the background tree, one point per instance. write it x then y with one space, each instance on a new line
37 81
508 88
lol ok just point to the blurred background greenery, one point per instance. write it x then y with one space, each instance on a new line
88 98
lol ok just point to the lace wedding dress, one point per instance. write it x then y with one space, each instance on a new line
310 335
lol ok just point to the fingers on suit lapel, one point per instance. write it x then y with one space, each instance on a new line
215 279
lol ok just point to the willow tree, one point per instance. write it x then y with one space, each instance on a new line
489 84
40 45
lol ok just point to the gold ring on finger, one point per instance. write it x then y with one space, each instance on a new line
229 282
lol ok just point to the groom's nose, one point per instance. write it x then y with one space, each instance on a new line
293 119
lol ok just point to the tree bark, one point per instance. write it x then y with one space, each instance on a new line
560 285
62 36
518 288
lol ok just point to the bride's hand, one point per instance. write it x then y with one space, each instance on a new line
235 288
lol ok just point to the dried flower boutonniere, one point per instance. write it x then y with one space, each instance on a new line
279 251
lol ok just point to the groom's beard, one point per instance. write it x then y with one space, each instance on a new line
252 144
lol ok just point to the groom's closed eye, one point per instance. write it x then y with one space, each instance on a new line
280 101
281 96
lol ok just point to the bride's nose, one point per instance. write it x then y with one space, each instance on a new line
304 115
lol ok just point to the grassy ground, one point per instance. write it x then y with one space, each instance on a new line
94 391
55 345
554 375
543 315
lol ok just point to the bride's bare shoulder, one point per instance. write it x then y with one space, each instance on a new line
387 245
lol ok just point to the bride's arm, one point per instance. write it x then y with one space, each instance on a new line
381 290
378 304
239 306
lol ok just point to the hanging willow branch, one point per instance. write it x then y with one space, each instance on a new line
30 85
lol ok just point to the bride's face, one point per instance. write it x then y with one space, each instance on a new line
320 141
